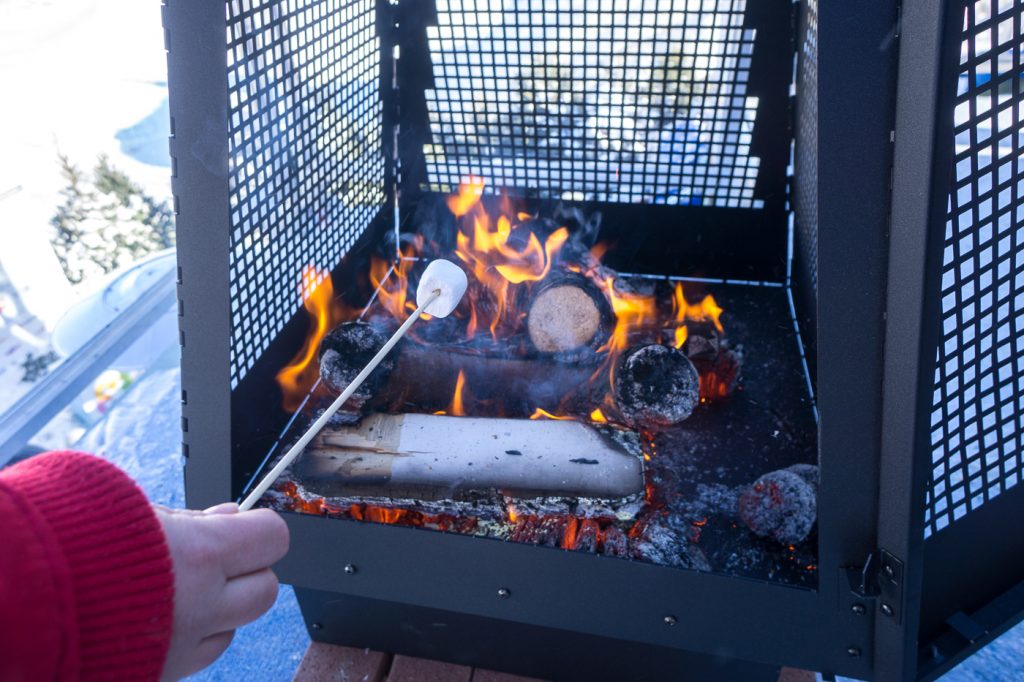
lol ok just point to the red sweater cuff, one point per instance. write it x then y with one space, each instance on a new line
113 548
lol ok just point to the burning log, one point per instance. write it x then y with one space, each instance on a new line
416 455
782 505
425 377
344 351
566 313
656 386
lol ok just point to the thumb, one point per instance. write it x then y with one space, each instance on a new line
223 508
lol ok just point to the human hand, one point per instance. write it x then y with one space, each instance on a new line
222 578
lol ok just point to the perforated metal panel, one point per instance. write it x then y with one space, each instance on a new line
607 100
805 180
306 164
978 406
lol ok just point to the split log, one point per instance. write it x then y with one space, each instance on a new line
782 505
424 378
413 455
656 386
567 312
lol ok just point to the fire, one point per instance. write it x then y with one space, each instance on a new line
598 417
456 407
391 281
468 196
540 413
499 256
632 312
705 311
681 333
297 378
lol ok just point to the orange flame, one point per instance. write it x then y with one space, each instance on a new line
705 311
495 257
391 280
456 407
297 378
467 197
597 416
540 413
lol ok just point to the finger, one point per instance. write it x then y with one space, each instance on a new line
210 649
222 508
249 541
245 599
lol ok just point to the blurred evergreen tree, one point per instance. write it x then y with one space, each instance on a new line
106 221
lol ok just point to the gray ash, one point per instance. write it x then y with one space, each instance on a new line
656 386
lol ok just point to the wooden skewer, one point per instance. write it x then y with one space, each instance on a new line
253 497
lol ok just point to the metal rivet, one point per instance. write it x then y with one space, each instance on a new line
318 626
853 651
350 568
670 620
859 609
889 571
504 592
887 610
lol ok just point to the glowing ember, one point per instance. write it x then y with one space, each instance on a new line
597 416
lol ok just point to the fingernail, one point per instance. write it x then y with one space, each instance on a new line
222 508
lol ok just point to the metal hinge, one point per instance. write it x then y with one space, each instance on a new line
880 579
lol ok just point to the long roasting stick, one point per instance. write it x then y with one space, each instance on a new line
268 480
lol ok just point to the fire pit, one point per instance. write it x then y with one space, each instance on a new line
688 412
664 407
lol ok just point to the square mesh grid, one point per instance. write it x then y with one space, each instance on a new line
978 405
610 100
306 162
805 180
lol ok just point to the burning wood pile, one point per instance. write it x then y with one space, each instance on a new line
537 411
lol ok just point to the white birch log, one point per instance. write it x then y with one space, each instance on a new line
448 455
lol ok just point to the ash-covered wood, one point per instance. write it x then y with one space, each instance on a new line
345 351
567 312
425 378
417 455
782 505
656 386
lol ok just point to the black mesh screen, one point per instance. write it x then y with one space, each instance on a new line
978 406
601 101
805 181
306 163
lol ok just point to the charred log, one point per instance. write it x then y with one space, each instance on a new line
344 351
782 505
656 386
426 378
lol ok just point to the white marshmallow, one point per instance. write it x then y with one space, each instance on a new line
449 279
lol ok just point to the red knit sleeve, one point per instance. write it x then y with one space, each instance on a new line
86 585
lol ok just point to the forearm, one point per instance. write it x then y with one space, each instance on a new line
86 584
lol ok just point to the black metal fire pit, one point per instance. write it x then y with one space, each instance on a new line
819 438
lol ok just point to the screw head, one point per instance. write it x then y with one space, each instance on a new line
887 610
670 620
350 569
853 651
889 571
504 593
317 626
859 609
